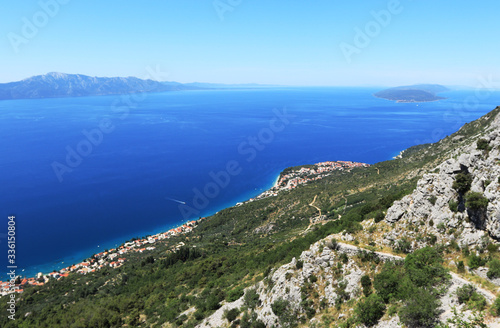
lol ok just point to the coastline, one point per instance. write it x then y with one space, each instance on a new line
80 256
80 265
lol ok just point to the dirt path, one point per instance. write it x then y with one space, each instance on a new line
316 207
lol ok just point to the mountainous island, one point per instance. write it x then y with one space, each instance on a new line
55 85
413 93
410 242
58 85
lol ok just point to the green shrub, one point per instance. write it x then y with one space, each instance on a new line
495 308
492 248
232 314
453 244
474 261
198 315
212 303
379 216
464 293
279 307
462 182
386 283
392 310
234 294
424 267
313 278
441 227
370 309
251 298
432 200
421 310
494 269
403 246
482 144
365 256
366 283
476 201
431 239
453 206
299 264
477 302
460 267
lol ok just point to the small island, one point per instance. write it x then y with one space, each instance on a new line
413 93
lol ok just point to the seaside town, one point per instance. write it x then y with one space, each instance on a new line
112 258
304 175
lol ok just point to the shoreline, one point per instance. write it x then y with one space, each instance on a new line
98 260
79 257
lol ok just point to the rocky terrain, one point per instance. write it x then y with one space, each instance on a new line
337 278
438 203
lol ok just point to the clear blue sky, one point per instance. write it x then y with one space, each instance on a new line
286 42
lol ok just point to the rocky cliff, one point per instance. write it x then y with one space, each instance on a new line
440 198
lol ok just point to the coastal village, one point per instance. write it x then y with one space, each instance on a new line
318 171
113 258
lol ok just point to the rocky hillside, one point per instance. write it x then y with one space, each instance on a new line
331 278
463 193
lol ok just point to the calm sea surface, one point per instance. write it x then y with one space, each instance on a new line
85 174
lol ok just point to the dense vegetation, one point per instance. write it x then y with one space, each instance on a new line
414 283
238 246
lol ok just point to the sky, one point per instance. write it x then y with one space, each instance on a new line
286 42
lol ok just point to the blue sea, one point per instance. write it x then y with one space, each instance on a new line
84 174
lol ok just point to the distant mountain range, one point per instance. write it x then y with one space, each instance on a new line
413 93
55 85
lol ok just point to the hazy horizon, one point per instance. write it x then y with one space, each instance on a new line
456 87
